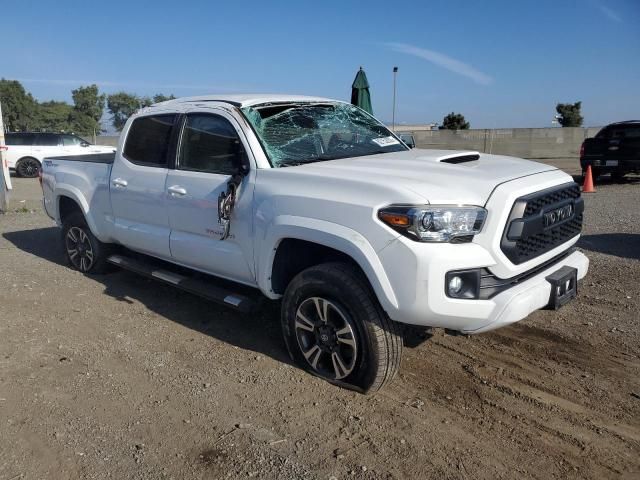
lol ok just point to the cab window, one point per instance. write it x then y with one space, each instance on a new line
47 140
72 140
210 144
19 139
148 140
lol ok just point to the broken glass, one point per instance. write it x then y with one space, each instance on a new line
298 133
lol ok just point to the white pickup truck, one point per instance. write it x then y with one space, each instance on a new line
313 202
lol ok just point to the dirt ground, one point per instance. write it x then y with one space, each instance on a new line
118 377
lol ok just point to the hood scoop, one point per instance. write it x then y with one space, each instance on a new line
460 157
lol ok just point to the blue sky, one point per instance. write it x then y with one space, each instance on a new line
500 63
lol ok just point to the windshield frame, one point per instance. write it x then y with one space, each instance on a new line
248 121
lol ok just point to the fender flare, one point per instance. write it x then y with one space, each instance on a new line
74 193
328 234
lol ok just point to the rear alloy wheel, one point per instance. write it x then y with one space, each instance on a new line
79 249
84 251
28 167
335 328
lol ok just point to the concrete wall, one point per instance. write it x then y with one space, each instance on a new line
109 140
519 142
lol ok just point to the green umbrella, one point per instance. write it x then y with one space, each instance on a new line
360 95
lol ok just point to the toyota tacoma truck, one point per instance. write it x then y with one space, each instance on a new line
314 203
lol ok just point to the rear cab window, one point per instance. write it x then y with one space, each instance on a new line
148 140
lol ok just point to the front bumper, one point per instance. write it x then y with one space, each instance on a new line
420 292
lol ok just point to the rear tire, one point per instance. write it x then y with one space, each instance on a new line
28 167
335 328
83 250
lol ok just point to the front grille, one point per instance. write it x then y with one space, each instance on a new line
526 236
538 203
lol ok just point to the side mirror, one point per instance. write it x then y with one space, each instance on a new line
84 144
242 159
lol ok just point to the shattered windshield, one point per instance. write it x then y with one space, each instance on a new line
298 133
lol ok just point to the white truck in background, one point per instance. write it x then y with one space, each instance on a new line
313 202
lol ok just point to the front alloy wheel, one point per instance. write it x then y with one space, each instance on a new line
79 249
326 338
335 328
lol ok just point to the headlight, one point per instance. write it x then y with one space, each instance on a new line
434 223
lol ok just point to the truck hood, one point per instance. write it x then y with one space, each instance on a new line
427 173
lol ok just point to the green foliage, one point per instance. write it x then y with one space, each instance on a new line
569 114
18 106
122 105
21 112
454 121
52 117
87 110
159 97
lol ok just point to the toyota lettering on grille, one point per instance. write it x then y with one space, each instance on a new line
557 215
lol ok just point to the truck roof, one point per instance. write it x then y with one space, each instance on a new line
245 99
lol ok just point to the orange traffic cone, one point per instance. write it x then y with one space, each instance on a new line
588 182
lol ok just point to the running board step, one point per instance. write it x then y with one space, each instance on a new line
202 287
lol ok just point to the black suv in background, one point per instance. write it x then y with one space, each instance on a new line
615 150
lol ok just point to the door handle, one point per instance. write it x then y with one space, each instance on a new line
119 182
177 191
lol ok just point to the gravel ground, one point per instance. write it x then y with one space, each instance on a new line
118 377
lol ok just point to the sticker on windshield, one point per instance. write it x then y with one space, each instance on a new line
385 141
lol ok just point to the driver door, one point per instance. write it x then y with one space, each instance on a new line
209 153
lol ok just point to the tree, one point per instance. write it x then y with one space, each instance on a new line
159 97
18 106
569 114
454 121
88 106
122 105
52 117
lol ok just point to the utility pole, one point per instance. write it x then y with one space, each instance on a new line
393 116
5 179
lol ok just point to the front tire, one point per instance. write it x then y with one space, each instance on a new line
335 328
28 167
83 250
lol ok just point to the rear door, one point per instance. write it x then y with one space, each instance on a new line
19 145
46 145
210 152
137 186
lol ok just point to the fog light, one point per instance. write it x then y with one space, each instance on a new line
463 284
455 285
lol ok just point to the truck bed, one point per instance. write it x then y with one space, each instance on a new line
84 179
